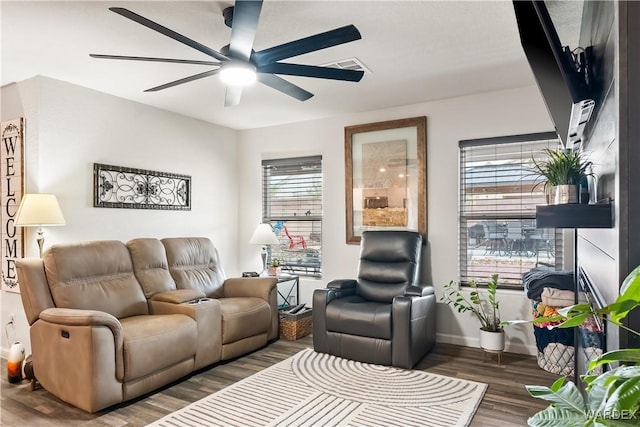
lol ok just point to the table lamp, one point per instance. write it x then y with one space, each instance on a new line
37 210
263 235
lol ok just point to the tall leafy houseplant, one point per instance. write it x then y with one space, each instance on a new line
487 310
613 397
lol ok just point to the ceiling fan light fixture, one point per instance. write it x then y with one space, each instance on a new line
236 73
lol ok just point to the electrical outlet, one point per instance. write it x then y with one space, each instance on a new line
12 317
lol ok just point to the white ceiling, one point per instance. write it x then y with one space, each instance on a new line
417 51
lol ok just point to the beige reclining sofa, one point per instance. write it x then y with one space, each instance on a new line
111 321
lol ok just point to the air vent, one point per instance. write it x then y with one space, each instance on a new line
348 64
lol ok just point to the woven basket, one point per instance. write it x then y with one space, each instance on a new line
555 349
557 358
295 326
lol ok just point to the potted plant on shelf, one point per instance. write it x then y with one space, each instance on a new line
611 398
563 171
485 308
274 267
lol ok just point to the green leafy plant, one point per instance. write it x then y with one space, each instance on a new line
562 167
613 397
275 262
486 309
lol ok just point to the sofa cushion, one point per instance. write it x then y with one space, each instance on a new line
154 342
94 275
150 266
354 315
243 317
194 264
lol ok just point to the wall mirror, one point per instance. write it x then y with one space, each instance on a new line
386 177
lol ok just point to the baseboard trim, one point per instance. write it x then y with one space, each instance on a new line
475 342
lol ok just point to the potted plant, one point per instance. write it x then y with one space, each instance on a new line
563 171
612 398
274 267
485 308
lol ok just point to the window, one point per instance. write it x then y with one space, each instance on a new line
292 204
498 198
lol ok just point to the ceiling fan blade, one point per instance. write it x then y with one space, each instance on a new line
145 58
232 96
243 29
284 86
169 33
331 38
312 71
184 80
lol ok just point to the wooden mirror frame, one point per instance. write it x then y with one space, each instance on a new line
393 130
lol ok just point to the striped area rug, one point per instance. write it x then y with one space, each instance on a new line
315 389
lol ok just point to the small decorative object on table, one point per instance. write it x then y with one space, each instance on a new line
274 269
295 325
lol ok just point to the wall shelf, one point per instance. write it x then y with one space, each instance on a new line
575 215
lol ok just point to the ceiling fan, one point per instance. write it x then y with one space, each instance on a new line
238 59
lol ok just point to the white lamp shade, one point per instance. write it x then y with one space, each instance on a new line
263 235
39 209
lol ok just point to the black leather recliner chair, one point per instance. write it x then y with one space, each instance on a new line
385 316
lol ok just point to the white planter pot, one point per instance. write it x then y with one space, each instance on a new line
563 194
492 341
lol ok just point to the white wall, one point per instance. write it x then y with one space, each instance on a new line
501 113
68 128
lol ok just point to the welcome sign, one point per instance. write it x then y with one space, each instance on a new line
12 187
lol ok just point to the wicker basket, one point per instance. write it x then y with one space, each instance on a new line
295 326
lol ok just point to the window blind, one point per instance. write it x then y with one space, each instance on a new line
498 196
292 204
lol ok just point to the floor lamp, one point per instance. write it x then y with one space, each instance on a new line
264 235
37 210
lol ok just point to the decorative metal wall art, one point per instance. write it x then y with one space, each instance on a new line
12 176
122 187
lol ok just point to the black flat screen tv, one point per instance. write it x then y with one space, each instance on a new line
562 84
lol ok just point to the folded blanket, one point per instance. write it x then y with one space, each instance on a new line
536 280
552 297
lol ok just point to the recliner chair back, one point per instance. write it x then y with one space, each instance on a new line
194 264
389 263
150 266
94 276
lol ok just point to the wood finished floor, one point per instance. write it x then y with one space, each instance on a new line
506 402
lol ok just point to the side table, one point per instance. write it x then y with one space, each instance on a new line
288 290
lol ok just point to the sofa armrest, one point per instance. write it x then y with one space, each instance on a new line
419 291
76 317
178 296
413 327
71 318
342 284
259 287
